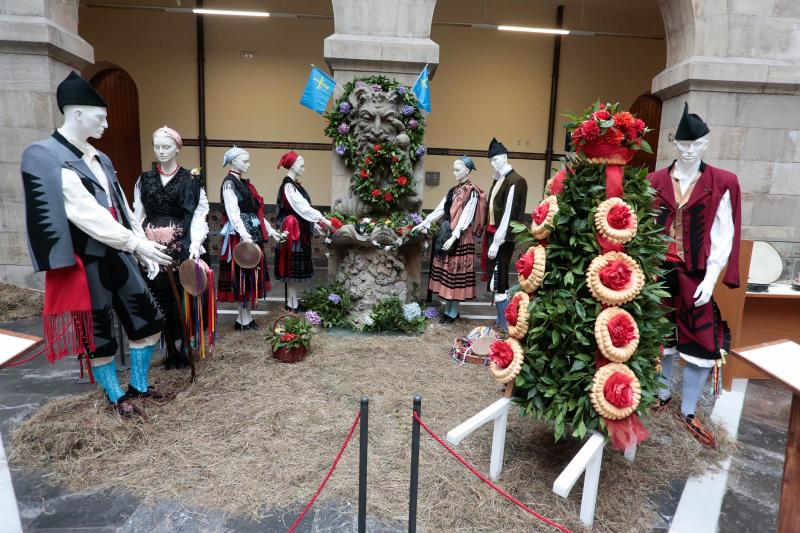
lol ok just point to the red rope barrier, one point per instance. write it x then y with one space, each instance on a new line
485 480
327 477
31 358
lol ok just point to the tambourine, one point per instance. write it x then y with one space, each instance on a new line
247 254
194 276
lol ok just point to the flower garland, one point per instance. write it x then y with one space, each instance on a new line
542 217
615 391
607 125
617 334
517 315
387 158
505 360
530 268
614 278
401 223
616 221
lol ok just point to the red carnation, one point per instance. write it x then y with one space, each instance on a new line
377 147
524 264
336 223
501 354
639 125
394 159
402 181
364 174
613 137
512 311
388 197
616 275
603 114
540 213
618 391
624 120
621 330
288 337
557 185
619 217
590 131
368 160
376 193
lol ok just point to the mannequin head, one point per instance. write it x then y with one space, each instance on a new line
298 167
691 152
241 163
85 121
499 161
460 170
165 146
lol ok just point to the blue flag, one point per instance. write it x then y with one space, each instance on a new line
421 90
318 91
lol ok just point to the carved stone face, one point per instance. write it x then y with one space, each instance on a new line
375 118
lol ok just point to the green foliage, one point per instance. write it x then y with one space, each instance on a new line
291 332
331 313
392 315
556 377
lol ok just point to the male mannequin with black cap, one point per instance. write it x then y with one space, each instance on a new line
507 198
700 208
80 233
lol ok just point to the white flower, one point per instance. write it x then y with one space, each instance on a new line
366 220
195 171
411 311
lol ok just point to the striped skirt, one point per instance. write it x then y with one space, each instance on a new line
453 275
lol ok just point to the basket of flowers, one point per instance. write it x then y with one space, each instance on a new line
290 338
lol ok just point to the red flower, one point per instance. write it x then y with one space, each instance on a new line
364 174
336 223
540 213
619 217
377 147
639 125
590 131
603 114
616 275
394 159
368 160
618 391
376 193
621 330
288 337
524 264
501 354
512 311
624 120
402 181
613 137
388 197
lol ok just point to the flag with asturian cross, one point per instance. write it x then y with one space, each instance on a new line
318 91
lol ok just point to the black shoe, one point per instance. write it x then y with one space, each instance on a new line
237 326
250 326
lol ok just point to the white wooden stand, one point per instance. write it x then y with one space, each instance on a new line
589 459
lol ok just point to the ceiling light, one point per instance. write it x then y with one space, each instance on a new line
198 11
526 29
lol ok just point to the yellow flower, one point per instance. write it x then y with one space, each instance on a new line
195 171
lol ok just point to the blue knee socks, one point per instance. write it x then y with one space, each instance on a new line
451 308
501 314
666 368
694 378
140 367
106 376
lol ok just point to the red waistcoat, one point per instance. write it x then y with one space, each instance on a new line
698 215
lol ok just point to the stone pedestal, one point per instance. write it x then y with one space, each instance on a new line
378 37
39 45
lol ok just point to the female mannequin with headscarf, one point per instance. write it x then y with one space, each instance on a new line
244 222
171 206
296 219
463 208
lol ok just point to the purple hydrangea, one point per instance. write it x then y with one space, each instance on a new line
340 149
376 88
345 108
360 83
407 110
421 150
335 298
430 312
343 128
415 218
413 124
401 89
313 318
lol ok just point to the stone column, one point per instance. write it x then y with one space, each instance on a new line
39 44
388 37
737 63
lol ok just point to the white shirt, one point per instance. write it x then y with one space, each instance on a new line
198 227
231 203
87 214
300 205
467 214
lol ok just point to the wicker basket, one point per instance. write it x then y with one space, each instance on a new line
287 355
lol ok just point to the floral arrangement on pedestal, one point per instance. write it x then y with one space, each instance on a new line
595 324
400 223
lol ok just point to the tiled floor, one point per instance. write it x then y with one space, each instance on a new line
750 502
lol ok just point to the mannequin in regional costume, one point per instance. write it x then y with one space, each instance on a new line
463 208
507 198
81 233
243 222
296 218
171 206
700 208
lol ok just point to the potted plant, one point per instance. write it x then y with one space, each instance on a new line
290 338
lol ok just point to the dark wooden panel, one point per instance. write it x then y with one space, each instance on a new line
648 108
121 140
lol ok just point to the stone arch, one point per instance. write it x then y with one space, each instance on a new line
679 28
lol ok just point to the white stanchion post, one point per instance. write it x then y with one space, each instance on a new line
589 460
630 453
498 444
497 412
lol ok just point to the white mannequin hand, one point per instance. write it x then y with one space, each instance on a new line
493 249
325 222
152 251
151 266
704 292
246 238
277 235
449 242
420 227
194 252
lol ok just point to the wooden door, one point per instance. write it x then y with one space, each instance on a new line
121 140
648 108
